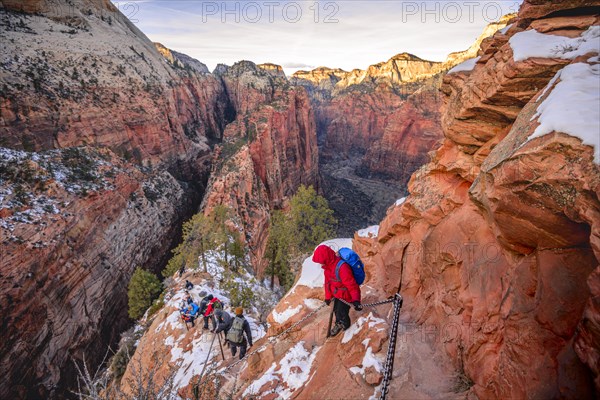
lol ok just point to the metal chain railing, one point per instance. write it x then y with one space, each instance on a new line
389 361
377 303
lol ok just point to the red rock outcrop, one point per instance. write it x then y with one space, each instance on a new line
269 151
497 245
83 75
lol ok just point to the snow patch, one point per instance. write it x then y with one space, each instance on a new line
312 273
369 360
573 106
505 29
371 322
313 304
531 43
282 317
399 202
371 231
294 371
465 66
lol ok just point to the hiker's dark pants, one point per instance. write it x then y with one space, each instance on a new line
243 347
342 313
214 322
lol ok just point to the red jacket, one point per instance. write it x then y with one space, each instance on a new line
209 309
347 289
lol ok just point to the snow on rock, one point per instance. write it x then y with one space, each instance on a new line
399 202
573 106
282 317
371 231
531 43
370 320
188 350
312 274
369 360
312 303
465 66
293 372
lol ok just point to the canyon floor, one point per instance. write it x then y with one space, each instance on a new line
357 201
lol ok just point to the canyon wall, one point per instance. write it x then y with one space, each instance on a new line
268 151
496 250
106 148
108 154
376 127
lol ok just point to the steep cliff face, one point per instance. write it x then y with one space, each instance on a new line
269 150
412 130
497 245
76 221
378 135
496 250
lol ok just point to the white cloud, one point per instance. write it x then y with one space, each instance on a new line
366 31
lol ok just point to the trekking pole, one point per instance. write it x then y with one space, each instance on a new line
221 346
206 361
330 322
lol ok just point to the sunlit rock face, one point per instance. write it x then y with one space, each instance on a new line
269 151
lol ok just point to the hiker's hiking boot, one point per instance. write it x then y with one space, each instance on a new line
337 328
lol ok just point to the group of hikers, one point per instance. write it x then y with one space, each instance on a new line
343 274
236 329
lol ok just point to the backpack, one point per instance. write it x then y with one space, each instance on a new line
236 332
353 260
217 305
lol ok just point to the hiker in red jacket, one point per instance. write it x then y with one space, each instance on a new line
213 305
346 288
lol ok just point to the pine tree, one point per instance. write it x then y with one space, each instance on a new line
278 249
219 216
144 287
198 238
311 218
237 251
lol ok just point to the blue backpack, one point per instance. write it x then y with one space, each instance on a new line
353 260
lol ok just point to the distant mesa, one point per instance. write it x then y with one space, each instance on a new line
273 69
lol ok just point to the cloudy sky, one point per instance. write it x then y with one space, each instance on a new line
306 34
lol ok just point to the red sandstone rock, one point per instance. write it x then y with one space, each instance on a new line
64 277
496 252
281 152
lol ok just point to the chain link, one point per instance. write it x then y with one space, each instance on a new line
377 303
389 360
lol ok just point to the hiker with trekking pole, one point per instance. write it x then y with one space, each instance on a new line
343 272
